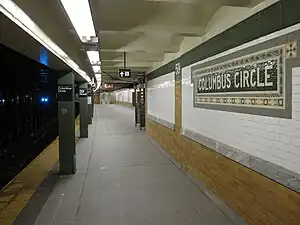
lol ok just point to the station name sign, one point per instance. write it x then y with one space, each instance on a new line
261 76
246 84
65 93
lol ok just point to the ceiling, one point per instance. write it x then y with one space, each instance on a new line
18 40
50 17
145 29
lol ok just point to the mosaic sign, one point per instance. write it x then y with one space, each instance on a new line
252 81
262 76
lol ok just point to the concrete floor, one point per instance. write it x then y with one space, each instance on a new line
123 178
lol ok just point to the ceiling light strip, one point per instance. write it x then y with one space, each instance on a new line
93 57
97 69
79 13
84 28
97 87
15 14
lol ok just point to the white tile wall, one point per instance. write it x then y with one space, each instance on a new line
273 139
126 99
130 95
124 95
161 97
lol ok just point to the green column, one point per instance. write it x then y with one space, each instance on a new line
83 110
66 120
93 104
90 105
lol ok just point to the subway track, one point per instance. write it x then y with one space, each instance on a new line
17 155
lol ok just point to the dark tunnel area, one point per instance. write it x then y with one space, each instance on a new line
28 111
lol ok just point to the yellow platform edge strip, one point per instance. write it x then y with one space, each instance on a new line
16 194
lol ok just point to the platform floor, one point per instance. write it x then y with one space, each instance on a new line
123 178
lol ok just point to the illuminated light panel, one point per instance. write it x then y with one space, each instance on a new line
90 39
44 99
97 69
98 79
44 56
79 13
97 87
93 57
16 15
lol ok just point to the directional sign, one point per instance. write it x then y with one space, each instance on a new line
124 73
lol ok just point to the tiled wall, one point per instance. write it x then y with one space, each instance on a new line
258 199
275 140
272 139
161 99
124 95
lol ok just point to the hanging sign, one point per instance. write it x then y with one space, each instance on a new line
124 73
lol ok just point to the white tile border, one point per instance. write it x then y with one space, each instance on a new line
161 121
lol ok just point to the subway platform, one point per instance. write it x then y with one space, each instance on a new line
122 178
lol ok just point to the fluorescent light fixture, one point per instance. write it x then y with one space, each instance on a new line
97 69
15 14
79 13
98 79
93 57
90 39
98 86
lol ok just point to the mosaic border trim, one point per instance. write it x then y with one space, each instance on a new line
161 121
277 173
252 98
258 102
261 56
